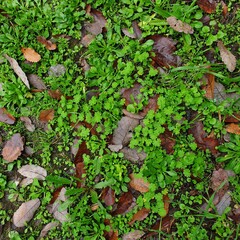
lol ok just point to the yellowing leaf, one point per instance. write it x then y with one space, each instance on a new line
228 58
17 69
31 55
25 212
179 26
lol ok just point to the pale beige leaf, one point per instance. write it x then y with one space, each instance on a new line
139 184
17 69
28 123
135 235
133 155
25 212
228 58
6 117
13 148
47 228
31 55
33 171
26 181
223 203
36 81
179 26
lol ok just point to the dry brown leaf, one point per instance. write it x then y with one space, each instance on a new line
166 201
135 235
46 115
13 148
167 141
132 94
25 212
139 216
33 171
6 117
233 128
133 155
209 88
47 43
55 94
208 6
28 123
87 39
225 8
46 229
179 26
228 58
128 34
36 82
108 196
139 184
17 69
31 55
132 115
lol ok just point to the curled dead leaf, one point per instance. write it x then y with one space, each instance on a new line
13 148
31 55
179 26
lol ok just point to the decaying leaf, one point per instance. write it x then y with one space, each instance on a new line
235 216
228 58
133 155
210 85
46 229
17 69
166 201
80 171
108 196
47 43
46 115
233 128
99 23
218 178
87 39
128 34
225 8
164 49
124 203
13 148
234 118
139 184
33 171
28 123
179 26
167 141
123 133
137 33
25 212
6 117
26 181
223 203
36 82
131 115
208 6
139 216
135 235
55 94
31 55
132 95
152 105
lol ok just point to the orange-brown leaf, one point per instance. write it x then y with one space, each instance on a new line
46 115
55 94
125 201
6 117
139 184
225 8
166 201
208 6
167 141
209 88
31 55
233 128
139 216
80 171
13 148
47 43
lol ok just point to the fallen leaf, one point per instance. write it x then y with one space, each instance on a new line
28 123
30 55
36 81
17 69
167 141
152 105
80 172
208 6
223 203
164 49
25 212
135 235
166 201
13 148
46 229
99 23
57 70
47 43
87 39
81 151
138 184
219 93
210 86
137 29
228 58
235 216
55 94
234 118
218 178
131 115
46 115
123 133
128 34
33 171
133 155
233 128
6 117
132 95
225 8
164 225
108 196
26 181
139 216
124 203
179 26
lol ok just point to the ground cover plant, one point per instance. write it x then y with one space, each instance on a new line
119 119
